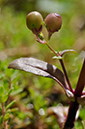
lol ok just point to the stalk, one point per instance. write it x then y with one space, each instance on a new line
3 113
63 66
75 105
69 124
81 81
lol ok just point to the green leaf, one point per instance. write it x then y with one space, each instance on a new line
57 57
10 104
1 119
6 117
17 91
0 111
82 113
1 90
9 92
4 98
21 115
14 110
2 76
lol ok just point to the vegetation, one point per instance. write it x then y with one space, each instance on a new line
25 99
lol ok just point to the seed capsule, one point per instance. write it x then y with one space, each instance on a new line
53 22
34 22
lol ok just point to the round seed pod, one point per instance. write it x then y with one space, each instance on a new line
53 22
34 22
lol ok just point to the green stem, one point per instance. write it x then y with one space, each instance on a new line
52 49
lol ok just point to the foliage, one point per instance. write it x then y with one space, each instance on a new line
28 93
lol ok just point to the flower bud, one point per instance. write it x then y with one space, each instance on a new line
34 22
53 22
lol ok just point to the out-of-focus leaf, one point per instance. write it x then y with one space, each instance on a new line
81 100
9 92
22 51
10 104
4 98
2 76
38 67
0 110
82 113
14 110
6 117
1 119
60 112
1 90
15 92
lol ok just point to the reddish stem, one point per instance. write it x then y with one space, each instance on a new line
69 124
63 67
40 41
81 81
64 70
3 113
75 105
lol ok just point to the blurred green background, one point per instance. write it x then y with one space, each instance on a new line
34 94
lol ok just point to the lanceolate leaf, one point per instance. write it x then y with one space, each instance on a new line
67 51
38 67
10 104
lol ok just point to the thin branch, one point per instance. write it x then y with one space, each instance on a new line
81 81
3 113
64 70
52 49
39 40
63 67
